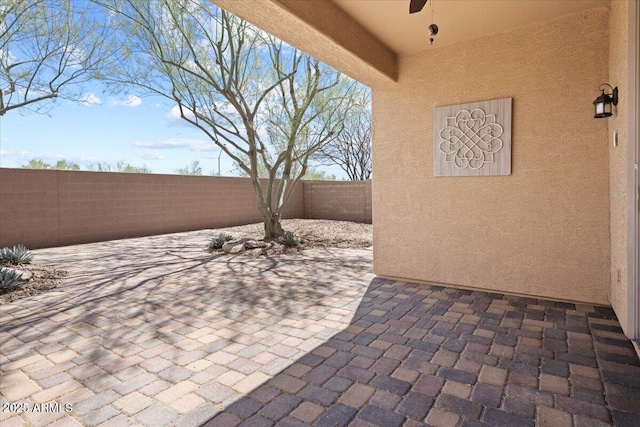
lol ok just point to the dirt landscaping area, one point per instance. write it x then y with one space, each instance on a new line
312 233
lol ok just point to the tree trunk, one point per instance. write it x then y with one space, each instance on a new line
272 227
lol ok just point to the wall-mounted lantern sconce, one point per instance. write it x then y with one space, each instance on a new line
604 101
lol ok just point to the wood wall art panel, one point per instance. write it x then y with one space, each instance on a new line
472 139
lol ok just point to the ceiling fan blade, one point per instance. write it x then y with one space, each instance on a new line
416 5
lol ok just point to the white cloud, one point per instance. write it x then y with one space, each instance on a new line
132 101
76 56
6 57
218 153
19 158
188 143
87 159
174 116
18 155
224 109
24 156
152 155
89 98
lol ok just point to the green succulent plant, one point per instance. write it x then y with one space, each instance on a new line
289 239
219 240
16 255
10 279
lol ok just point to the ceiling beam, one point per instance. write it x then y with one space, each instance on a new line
323 30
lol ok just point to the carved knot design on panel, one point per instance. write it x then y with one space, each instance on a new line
471 139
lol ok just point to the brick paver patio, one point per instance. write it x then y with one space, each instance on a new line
425 355
153 331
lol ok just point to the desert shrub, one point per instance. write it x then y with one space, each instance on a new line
289 239
219 240
6 256
16 255
10 279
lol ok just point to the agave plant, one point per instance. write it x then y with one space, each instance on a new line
10 279
219 240
16 255
6 256
289 239
22 255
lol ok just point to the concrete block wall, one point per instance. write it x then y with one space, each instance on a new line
338 200
29 208
42 208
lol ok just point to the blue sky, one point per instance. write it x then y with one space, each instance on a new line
110 128
140 131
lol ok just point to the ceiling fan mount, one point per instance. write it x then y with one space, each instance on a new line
416 5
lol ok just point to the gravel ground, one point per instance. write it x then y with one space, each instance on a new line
45 277
312 232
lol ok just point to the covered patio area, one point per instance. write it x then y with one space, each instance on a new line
549 209
427 355
504 297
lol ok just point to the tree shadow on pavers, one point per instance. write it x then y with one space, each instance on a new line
298 268
418 355
103 279
116 313
89 302
95 298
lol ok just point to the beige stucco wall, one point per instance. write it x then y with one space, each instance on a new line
542 231
618 157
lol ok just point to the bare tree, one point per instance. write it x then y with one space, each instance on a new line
264 103
119 166
312 174
48 49
351 149
192 168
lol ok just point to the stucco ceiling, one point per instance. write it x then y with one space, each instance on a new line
390 21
